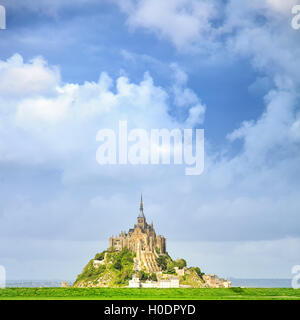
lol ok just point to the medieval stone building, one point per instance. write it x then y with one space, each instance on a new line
143 241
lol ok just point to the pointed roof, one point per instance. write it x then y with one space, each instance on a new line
141 205
141 214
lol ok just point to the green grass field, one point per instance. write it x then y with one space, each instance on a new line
148 294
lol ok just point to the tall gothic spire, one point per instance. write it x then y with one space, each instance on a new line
141 215
141 205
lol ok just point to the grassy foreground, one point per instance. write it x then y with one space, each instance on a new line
148 294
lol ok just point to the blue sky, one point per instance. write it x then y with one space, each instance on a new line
97 34
70 68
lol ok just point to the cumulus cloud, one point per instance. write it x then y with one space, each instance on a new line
19 79
186 103
258 31
40 108
183 22
199 24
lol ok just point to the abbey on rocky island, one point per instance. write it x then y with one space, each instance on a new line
148 263
143 241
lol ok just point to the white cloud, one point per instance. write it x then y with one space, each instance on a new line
40 109
183 22
198 25
18 79
270 133
186 103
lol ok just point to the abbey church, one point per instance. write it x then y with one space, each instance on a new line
143 241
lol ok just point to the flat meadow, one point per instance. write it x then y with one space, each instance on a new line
234 293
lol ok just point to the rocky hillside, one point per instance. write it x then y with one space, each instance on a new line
108 268
115 268
193 278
